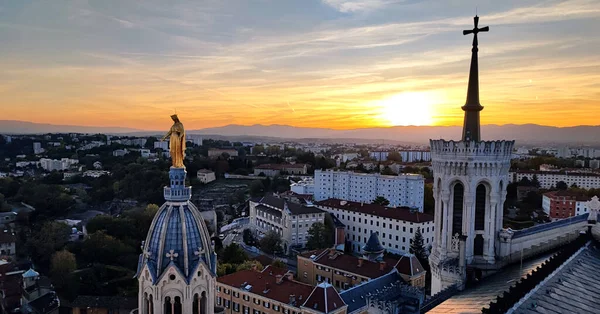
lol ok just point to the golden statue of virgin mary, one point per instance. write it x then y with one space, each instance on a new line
177 142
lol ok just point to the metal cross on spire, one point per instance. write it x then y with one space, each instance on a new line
471 126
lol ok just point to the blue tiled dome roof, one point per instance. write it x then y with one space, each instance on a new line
178 236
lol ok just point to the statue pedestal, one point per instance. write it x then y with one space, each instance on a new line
177 191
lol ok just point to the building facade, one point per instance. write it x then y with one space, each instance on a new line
218 152
395 226
548 179
305 186
345 271
415 155
564 204
206 176
401 190
290 220
274 290
271 170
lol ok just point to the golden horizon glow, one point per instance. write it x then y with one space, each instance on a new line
333 64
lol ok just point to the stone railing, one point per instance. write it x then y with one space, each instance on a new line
179 194
472 148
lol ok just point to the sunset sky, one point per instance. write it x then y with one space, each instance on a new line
314 63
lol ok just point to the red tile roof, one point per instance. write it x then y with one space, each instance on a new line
265 284
349 263
399 213
324 298
568 195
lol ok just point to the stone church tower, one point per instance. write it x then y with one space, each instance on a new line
177 269
470 179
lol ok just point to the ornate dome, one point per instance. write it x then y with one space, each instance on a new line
178 236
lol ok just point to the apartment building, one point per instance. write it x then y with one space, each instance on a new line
271 170
291 220
305 186
401 190
274 290
206 176
345 271
395 226
548 179
564 204
215 153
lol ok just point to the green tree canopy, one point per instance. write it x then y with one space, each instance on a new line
562 185
103 248
279 264
249 265
62 264
319 237
248 237
271 243
394 156
234 254
387 171
51 237
380 200
257 188
417 246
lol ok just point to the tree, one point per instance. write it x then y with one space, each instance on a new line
319 237
279 264
103 248
417 247
62 264
257 188
525 182
535 182
271 243
248 237
380 200
428 200
394 156
234 254
561 185
250 265
387 171
51 237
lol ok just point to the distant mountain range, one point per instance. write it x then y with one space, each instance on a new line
523 134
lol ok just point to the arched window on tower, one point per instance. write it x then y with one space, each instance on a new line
457 208
196 304
177 306
168 306
480 205
203 303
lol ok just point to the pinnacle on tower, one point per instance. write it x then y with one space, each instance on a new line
471 126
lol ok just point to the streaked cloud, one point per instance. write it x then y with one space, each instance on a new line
304 63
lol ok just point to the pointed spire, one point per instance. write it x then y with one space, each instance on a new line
471 126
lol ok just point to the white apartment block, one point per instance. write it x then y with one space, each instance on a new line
395 226
164 145
305 186
549 179
414 156
206 176
290 220
379 155
401 190
37 148
56 164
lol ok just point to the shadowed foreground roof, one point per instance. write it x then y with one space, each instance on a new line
474 299
572 288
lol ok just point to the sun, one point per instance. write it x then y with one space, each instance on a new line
408 108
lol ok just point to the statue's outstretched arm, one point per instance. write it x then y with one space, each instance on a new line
167 136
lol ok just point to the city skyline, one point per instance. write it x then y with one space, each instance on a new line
343 64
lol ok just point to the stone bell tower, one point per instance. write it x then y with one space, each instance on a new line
470 178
